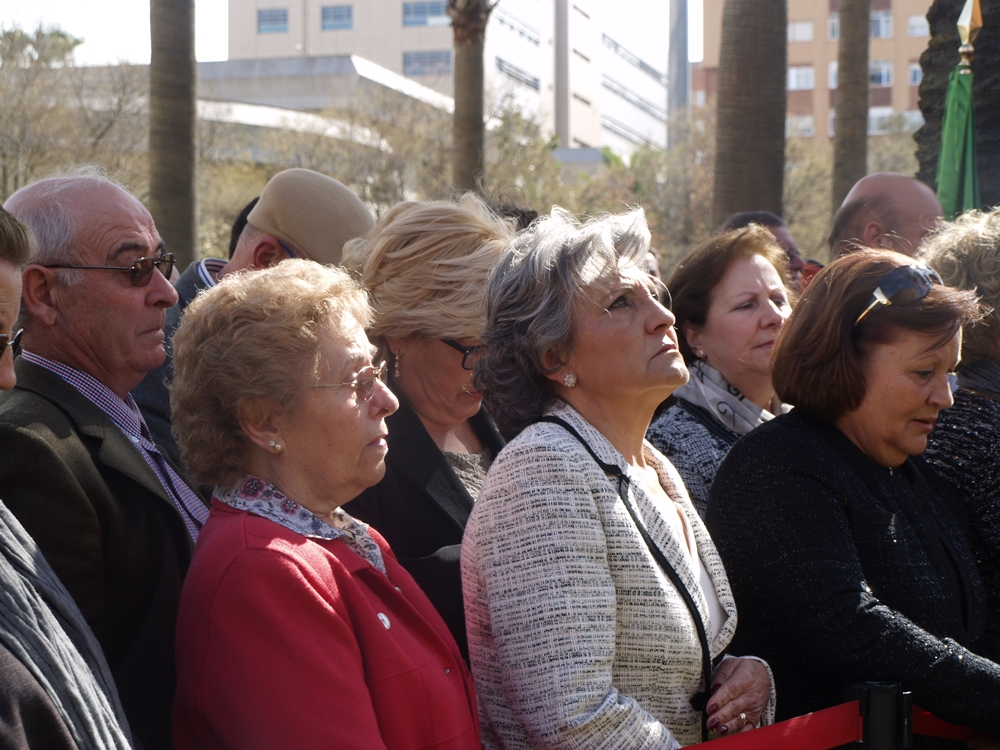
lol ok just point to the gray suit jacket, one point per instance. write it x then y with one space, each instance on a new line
151 394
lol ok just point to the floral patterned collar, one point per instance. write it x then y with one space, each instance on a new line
255 495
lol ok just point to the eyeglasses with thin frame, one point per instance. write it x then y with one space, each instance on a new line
13 341
901 286
141 271
364 383
467 351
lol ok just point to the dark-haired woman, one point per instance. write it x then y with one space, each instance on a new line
848 557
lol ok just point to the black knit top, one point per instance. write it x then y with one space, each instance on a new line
846 571
965 450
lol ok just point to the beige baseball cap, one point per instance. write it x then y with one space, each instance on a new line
311 213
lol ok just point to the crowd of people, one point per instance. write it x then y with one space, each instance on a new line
469 477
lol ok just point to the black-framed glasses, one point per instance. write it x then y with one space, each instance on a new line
474 351
141 271
901 286
13 341
363 384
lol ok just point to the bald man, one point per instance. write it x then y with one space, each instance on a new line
886 210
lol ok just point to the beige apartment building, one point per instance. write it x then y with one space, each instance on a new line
899 34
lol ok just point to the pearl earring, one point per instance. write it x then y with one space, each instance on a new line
700 353
569 380
276 446
395 367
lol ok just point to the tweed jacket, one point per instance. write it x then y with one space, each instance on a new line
421 508
576 637
151 395
108 529
845 571
695 442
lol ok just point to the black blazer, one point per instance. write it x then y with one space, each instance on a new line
846 571
108 528
421 508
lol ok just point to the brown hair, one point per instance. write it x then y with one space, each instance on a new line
819 355
16 240
701 270
966 253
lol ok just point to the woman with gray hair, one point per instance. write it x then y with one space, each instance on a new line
598 609
425 266
965 445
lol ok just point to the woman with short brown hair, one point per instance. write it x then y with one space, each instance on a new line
847 554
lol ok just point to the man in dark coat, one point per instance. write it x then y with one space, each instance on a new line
78 467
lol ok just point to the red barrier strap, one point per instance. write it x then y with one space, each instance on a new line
819 730
924 722
831 727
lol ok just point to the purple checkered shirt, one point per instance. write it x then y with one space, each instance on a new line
128 419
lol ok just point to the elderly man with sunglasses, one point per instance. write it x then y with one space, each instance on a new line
78 466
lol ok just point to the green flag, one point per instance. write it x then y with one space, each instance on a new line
957 177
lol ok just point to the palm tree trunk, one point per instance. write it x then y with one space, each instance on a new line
469 19
750 142
850 141
173 79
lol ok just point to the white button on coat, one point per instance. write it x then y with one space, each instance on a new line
385 620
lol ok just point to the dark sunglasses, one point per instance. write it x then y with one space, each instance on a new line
363 384
13 341
901 286
467 351
141 271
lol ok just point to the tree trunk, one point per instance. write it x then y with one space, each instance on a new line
469 19
937 62
752 99
850 141
173 79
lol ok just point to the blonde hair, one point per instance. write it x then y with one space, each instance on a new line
425 266
966 254
247 347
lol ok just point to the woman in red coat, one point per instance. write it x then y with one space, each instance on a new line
297 627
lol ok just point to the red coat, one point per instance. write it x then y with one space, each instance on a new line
290 642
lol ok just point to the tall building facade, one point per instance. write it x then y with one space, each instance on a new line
553 58
898 32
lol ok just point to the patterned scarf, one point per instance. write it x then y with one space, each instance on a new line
709 390
254 495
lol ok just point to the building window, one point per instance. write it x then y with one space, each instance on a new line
801 78
915 74
800 31
918 26
800 126
881 25
880 72
272 21
337 17
426 14
880 120
833 27
521 76
831 75
437 63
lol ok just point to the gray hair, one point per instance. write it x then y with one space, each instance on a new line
43 207
530 300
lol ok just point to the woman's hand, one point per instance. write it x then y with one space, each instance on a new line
741 689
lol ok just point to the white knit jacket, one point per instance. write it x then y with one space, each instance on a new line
576 637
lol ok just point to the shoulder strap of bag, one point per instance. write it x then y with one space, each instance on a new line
700 700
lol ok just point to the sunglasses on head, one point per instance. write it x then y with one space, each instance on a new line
467 351
363 384
13 341
901 286
141 271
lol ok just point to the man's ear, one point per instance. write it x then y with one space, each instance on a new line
40 293
267 252
873 233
